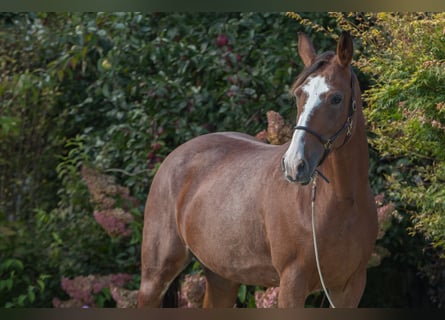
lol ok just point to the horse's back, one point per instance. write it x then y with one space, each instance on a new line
221 142
212 154
199 158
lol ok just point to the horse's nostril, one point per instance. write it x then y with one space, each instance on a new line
301 166
296 172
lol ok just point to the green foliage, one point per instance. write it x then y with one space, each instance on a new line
246 296
29 135
407 115
104 299
20 286
13 276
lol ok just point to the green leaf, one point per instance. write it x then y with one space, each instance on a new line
12 263
6 284
242 293
31 294
21 300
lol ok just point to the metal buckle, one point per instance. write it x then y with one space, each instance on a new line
354 105
328 145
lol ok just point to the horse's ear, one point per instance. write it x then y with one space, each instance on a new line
306 49
345 49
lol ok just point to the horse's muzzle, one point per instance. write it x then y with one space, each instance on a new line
298 172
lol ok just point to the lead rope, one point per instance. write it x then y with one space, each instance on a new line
317 260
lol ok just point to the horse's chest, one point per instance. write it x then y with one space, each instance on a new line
344 238
343 246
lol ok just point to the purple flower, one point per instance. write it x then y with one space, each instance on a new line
192 291
385 212
114 221
268 298
120 279
222 40
82 288
79 288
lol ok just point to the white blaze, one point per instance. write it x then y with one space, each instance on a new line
314 89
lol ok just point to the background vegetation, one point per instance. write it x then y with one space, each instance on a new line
91 103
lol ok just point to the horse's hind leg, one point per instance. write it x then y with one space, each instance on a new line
220 292
163 254
159 267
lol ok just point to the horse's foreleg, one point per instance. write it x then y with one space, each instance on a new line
350 295
293 290
220 292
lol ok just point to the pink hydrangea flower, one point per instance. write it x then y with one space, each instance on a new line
268 298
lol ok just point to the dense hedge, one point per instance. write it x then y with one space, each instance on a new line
407 118
117 92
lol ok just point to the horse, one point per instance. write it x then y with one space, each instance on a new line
242 207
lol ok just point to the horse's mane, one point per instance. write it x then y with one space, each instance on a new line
319 61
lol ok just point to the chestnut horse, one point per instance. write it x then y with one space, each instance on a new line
243 207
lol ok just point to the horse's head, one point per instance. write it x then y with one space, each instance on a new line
325 98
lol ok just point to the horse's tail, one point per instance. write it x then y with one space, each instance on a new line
171 297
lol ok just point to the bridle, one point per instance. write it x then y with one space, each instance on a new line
327 143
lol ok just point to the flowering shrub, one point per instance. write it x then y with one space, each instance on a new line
268 298
192 291
124 298
105 194
82 289
108 197
278 130
114 221
385 214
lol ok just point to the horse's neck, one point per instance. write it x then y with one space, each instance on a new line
347 166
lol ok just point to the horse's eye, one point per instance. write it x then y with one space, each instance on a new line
336 99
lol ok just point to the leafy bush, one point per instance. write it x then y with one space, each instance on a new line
407 114
13 275
22 284
408 119
28 138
